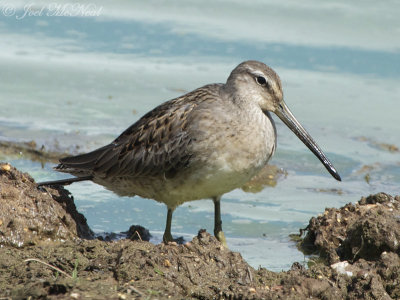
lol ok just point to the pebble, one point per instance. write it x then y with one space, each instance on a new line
74 296
5 167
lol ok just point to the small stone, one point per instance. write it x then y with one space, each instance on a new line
121 296
341 268
339 217
74 296
167 263
5 167
252 290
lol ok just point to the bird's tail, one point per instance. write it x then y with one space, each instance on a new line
65 181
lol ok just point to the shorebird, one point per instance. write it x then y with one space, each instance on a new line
197 146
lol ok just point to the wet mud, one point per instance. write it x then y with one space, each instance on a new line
47 251
32 151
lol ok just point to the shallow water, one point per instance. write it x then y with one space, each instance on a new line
79 81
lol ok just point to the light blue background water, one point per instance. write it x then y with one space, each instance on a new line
80 81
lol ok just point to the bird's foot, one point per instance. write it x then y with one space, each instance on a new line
167 238
221 237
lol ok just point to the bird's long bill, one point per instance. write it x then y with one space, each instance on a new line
287 117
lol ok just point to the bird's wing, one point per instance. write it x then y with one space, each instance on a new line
158 143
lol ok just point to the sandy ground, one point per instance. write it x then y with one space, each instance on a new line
47 251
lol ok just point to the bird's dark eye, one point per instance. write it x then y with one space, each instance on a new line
261 80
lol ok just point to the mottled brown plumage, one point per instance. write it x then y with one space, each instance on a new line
200 145
158 143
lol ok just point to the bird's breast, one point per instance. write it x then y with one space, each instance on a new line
235 143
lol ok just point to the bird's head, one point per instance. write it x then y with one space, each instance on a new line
253 82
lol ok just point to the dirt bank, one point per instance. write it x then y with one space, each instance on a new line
48 252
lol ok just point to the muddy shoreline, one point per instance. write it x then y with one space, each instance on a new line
47 251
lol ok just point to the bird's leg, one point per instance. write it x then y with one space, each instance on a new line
167 237
219 234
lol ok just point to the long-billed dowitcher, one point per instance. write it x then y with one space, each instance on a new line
200 145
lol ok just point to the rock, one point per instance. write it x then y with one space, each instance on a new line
138 232
29 215
364 230
342 267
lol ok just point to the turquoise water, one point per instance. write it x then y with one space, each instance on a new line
80 81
